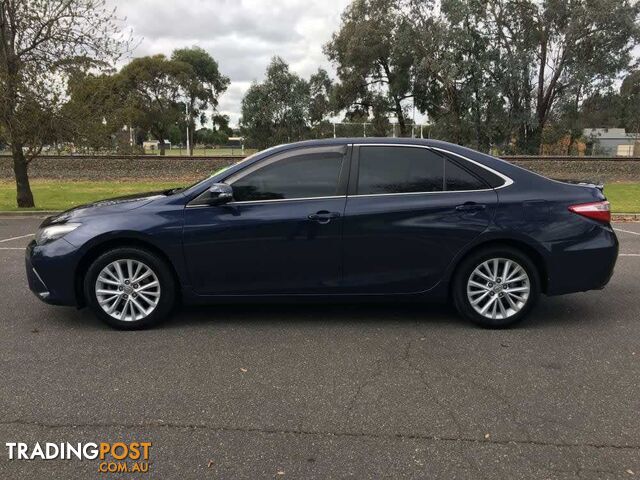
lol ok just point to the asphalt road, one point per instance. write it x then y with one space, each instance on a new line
363 391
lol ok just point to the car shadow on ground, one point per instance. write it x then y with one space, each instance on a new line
550 312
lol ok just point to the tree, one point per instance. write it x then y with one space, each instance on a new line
95 111
41 43
579 42
202 84
373 58
153 94
276 110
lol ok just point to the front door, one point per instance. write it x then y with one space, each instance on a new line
281 234
409 211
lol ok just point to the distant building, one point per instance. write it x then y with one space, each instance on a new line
151 146
612 141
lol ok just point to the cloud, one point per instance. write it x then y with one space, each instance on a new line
242 35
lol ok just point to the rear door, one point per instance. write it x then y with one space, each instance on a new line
409 211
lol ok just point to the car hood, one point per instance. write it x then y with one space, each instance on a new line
108 206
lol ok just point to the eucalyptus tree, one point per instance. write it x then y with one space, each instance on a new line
152 88
41 43
276 110
202 84
373 58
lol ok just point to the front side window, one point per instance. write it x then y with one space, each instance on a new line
393 169
304 175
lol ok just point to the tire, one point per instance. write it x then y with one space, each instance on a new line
133 305
513 299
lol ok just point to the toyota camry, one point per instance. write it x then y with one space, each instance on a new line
327 220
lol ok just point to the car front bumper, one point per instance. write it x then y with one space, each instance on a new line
51 270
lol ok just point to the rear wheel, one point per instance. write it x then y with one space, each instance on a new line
129 288
496 287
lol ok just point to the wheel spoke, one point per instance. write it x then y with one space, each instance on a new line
483 275
505 270
478 285
144 275
139 307
503 311
488 304
518 279
102 291
148 286
104 279
512 304
480 298
517 289
111 308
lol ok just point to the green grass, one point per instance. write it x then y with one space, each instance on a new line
63 194
624 197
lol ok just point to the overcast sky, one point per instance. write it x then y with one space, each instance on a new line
242 35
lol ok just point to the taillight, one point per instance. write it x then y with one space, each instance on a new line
600 211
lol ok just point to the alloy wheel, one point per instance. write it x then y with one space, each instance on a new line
498 288
127 290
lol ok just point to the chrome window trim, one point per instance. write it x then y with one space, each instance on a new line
507 180
274 200
279 156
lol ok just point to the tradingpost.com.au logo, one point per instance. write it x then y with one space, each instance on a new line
112 457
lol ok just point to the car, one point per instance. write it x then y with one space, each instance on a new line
330 220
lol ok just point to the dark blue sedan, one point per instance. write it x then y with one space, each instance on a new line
355 219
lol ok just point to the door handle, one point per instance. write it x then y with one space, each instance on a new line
323 216
471 207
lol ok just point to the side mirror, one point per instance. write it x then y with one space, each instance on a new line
219 194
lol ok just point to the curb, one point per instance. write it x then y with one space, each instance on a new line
27 213
625 217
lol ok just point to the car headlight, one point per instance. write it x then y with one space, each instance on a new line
53 232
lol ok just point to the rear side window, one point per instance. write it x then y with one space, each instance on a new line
399 170
409 170
303 175
457 178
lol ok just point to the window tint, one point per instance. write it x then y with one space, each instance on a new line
457 178
304 175
399 170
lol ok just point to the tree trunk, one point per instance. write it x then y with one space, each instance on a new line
161 147
192 127
24 197
401 120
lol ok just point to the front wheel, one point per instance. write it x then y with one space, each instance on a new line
496 287
129 288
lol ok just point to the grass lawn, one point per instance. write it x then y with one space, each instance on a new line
62 194
624 197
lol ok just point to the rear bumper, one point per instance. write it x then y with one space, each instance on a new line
588 264
50 272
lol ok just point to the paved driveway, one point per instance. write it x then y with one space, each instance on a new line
364 391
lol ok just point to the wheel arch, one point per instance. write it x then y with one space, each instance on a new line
100 247
534 255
